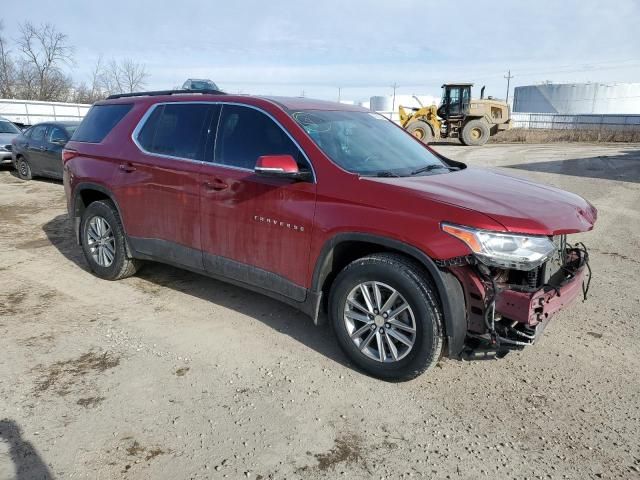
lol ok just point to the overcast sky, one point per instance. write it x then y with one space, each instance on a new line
285 47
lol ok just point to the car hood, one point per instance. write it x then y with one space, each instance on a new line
518 204
5 138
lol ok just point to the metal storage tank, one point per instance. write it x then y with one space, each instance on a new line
381 104
578 98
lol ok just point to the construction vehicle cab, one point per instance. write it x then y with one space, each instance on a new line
458 116
456 99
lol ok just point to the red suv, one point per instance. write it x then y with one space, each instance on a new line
329 208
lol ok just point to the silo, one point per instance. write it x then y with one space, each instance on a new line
578 98
381 104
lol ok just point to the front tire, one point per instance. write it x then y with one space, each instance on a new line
475 133
104 243
386 316
23 168
421 130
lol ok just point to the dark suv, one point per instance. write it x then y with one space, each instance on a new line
332 209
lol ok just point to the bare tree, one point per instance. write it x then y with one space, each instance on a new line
134 75
45 51
7 68
124 76
110 78
96 87
94 90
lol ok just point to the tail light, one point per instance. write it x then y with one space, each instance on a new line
68 154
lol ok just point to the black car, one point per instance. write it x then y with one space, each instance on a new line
37 152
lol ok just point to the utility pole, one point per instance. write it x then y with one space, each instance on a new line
339 94
302 93
508 76
393 102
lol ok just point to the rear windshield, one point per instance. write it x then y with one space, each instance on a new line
99 122
8 127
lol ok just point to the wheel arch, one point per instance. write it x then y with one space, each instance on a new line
343 248
85 194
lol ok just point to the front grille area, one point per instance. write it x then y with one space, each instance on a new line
7 147
538 277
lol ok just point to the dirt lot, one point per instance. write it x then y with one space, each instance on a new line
173 375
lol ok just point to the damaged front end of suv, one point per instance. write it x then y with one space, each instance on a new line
514 284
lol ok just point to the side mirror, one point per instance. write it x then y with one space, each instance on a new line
281 166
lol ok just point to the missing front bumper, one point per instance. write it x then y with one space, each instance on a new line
516 316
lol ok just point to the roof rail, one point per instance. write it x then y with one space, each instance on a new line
165 92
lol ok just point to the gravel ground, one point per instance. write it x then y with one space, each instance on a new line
172 375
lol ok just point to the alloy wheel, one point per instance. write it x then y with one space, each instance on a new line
101 241
380 322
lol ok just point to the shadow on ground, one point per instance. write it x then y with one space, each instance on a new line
27 462
623 168
272 313
13 173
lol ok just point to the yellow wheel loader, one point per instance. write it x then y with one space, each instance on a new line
458 116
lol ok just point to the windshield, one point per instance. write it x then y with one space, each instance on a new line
70 129
368 144
8 127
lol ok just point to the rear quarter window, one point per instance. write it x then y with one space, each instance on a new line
99 122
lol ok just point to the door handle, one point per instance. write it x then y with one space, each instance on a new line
127 167
215 185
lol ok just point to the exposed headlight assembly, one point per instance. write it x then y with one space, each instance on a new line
504 250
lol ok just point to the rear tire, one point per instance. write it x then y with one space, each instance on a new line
421 130
104 242
475 133
23 168
365 327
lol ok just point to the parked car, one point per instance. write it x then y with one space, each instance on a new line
199 84
37 152
332 209
8 131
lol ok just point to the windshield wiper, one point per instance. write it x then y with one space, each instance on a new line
386 173
382 173
431 167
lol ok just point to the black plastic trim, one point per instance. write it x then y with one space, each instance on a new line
227 270
156 93
74 207
249 274
449 289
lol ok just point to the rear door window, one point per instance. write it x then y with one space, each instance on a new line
99 122
177 130
38 133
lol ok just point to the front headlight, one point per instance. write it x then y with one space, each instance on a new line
505 250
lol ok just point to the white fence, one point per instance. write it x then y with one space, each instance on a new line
29 112
556 121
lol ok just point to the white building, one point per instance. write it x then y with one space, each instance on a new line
30 112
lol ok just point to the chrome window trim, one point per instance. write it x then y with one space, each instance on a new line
141 124
147 114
